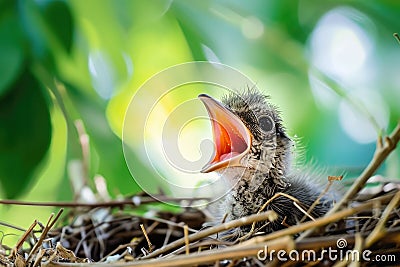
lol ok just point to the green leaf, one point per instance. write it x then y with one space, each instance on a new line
25 133
58 18
193 40
11 50
48 25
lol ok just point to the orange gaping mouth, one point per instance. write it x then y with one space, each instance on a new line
232 139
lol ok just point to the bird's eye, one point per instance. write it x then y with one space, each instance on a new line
266 123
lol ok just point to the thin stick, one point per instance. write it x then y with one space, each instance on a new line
323 193
379 229
85 147
358 246
41 238
167 235
12 226
317 201
124 246
224 218
56 218
268 215
22 239
280 194
38 258
113 203
211 256
197 244
239 251
49 225
303 211
311 224
167 222
381 153
147 238
186 234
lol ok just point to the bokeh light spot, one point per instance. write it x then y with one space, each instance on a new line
252 27
339 46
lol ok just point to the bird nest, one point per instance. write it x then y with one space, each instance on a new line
363 228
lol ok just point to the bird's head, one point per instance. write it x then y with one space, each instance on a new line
248 133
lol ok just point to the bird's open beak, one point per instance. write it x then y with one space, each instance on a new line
232 139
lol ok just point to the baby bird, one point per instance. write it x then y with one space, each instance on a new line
253 154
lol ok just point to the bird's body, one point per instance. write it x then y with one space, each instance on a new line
248 197
254 154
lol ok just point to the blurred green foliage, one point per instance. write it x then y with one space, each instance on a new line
85 59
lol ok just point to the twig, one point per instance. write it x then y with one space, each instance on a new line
186 235
381 153
12 226
207 243
280 194
22 240
124 246
268 215
358 240
211 256
358 246
379 229
167 235
311 224
56 218
85 147
167 222
331 179
239 251
147 238
113 203
303 211
49 225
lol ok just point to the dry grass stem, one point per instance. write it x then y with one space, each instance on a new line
49 225
186 235
311 224
265 216
22 240
204 257
381 153
331 179
147 238
303 211
112 203
379 229
280 194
